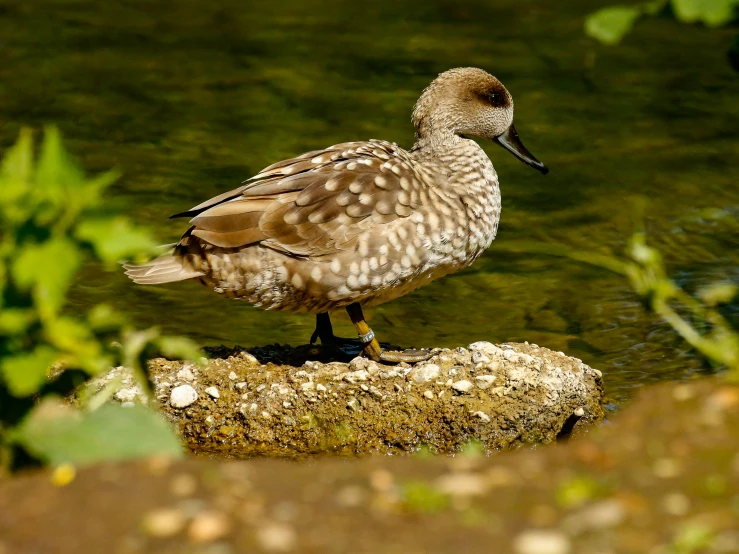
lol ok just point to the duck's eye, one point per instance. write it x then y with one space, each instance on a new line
496 99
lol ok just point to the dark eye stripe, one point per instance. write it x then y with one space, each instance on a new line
495 97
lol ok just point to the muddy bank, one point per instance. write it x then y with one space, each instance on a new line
250 402
662 478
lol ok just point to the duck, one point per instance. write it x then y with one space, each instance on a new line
359 223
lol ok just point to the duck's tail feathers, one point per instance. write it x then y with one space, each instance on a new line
164 269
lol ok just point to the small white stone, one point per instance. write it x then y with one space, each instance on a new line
286 404
485 381
463 386
185 374
483 346
127 395
428 394
276 537
320 387
182 396
542 541
249 358
425 373
241 386
212 392
261 387
354 376
482 415
478 357
128 404
233 376
579 412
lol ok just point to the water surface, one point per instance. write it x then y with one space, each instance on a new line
189 98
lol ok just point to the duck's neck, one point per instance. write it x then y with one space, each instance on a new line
462 161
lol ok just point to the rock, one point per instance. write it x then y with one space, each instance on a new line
182 396
542 541
479 357
482 415
484 381
354 376
127 395
232 376
362 407
424 373
462 484
208 527
248 358
186 374
277 537
165 522
213 392
464 386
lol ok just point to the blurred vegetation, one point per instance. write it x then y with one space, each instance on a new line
697 318
609 25
52 221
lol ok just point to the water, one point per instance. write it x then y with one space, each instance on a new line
189 98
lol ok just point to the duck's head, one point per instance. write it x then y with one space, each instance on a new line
470 101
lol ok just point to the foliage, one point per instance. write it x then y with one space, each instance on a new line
697 319
610 24
52 221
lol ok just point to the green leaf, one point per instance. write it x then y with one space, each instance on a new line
15 174
59 434
713 13
71 335
26 373
14 321
115 239
56 174
104 318
718 293
179 347
47 269
609 25
654 7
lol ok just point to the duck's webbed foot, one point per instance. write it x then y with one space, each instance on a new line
373 349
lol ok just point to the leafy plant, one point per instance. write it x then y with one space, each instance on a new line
52 221
609 25
696 318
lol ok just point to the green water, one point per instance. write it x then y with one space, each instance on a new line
188 98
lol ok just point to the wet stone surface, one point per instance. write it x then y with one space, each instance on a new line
252 403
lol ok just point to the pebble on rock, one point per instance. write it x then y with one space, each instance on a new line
213 392
185 374
428 394
425 373
484 381
182 396
463 386
482 415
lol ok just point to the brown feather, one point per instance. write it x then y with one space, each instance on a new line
230 240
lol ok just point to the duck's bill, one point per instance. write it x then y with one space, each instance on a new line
510 141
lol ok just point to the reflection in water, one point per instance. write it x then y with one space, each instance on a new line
190 98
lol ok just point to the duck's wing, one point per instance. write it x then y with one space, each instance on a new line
316 204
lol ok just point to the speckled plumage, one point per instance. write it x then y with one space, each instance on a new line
358 222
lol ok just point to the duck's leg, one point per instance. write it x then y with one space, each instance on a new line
325 332
372 348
